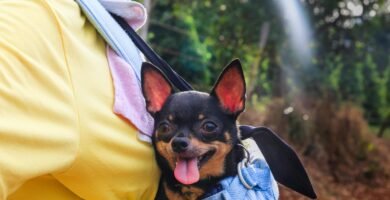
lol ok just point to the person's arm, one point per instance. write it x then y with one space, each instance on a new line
38 119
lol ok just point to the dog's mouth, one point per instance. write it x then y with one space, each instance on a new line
187 167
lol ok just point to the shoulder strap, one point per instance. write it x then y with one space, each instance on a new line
126 42
153 57
112 33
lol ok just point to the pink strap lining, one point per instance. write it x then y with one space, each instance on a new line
129 100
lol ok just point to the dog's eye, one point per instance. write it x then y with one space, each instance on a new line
164 128
209 127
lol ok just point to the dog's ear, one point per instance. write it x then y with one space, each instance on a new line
230 88
282 160
155 87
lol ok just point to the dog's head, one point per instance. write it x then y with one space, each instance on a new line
194 131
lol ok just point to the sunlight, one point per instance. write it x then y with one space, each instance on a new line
298 28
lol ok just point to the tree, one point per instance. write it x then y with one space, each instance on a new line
351 43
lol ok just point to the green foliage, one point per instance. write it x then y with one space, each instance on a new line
216 31
176 38
386 83
351 59
374 90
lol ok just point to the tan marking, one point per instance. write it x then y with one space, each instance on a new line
170 117
192 193
201 116
186 193
228 137
199 146
171 195
215 165
165 150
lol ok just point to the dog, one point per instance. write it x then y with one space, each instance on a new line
196 136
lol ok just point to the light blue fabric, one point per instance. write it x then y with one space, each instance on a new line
258 176
114 35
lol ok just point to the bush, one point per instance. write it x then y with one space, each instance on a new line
335 136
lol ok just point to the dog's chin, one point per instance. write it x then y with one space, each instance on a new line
188 166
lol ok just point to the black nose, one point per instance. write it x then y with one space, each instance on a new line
180 144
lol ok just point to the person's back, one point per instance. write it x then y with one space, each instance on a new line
59 138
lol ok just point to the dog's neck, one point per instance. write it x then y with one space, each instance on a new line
176 190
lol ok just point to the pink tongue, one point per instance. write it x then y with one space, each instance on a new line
186 171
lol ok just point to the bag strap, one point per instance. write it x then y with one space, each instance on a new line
153 57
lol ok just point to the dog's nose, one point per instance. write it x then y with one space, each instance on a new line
180 144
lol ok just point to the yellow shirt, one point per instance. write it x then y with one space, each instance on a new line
59 138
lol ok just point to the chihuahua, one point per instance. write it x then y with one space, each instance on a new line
196 135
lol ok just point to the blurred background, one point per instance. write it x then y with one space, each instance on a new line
318 73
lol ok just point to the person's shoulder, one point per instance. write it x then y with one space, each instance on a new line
30 25
24 13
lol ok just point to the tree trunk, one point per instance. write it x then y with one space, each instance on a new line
385 124
256 64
